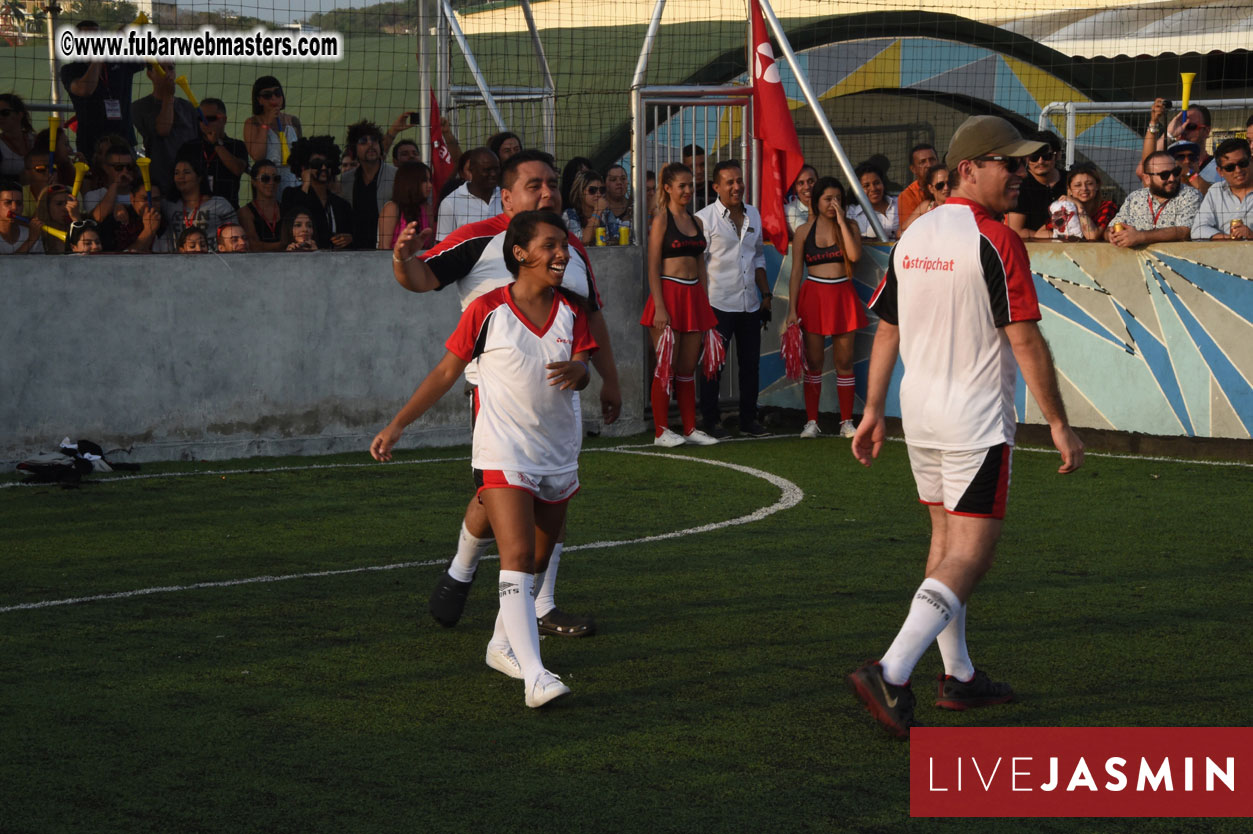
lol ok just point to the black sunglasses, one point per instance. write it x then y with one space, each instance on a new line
318 164
119 166
1013 163
268 178
4 114
1040 156
1231 166
942 185
596 189
1167 175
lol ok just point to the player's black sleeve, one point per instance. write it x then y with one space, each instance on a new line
452 259
884 300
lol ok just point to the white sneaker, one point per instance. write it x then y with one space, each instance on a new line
668 438
547 687
696 437
811 430
503 661
846 429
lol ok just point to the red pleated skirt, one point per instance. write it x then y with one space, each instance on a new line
830 309
687 305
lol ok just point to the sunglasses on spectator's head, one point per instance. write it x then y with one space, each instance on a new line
1040 156
1167 175
276 92
266 179
82 224
596 189
1239 163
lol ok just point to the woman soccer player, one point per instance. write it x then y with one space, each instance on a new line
823 253
530 343
678 297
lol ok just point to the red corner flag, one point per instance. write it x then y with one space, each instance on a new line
781 157
442 163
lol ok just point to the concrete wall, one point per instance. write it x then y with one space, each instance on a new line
209 357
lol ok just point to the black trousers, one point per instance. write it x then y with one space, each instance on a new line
746 329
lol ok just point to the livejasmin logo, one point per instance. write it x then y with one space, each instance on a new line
1081 772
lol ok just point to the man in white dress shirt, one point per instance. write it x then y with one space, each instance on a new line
738 292
478 198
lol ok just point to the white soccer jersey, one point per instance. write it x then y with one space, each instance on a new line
956 278
524 423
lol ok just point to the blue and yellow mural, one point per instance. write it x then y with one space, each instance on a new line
1157 341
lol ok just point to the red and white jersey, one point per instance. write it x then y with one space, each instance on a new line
472 257
957 277
523 423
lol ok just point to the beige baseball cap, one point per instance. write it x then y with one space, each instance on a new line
988 135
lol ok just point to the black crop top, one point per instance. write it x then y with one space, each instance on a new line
675 244
816 255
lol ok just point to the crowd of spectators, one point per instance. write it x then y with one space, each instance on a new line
145 173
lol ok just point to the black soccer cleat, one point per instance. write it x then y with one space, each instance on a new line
448 599
979 691
891 705
560 624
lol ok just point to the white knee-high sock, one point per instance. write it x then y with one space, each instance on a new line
933 607
469 551
500 639
517 609
545 600
952 643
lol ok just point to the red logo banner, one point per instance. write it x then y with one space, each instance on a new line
1081 772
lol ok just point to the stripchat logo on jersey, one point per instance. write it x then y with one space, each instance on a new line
927 264
1081 772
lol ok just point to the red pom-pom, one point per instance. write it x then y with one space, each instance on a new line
714 354
793 351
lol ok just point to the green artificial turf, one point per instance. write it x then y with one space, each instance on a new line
712 699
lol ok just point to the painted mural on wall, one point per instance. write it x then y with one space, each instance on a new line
1157 341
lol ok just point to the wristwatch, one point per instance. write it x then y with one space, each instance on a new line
1155 128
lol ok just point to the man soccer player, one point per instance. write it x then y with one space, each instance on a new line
958 305
472 259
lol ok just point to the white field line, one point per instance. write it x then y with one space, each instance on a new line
791 496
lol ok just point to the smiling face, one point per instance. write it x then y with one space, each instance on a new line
805 185
195 243
1241 174
992 183
679 190
872 184
545 255
1164 177
232 238
730 187
1083 188
939 186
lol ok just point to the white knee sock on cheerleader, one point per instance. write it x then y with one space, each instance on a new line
933 608
469 551
517 609
546 583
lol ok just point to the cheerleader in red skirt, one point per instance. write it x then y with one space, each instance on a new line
678 297
824 251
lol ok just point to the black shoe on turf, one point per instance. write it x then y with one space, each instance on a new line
560 624
754 429
716 431
979 691
448 599
891 705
